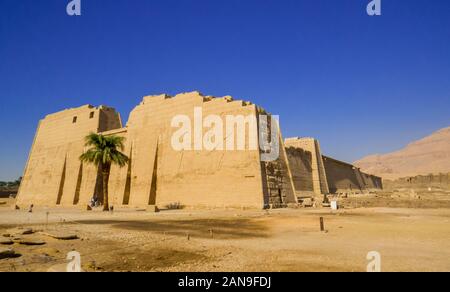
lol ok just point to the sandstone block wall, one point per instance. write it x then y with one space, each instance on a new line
315 174
300 162
157 173
372 182
160 175
278 179
53 174
344 177
299 151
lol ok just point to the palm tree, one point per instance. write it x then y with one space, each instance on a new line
104 152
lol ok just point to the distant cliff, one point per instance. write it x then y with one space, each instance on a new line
426 156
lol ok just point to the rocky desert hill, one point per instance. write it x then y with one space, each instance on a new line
426 156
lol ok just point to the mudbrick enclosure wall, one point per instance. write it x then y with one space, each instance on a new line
343 177
421 181
160 175
313 173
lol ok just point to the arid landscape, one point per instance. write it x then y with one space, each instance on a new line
404 219
243 137
410 229
428 155
407 223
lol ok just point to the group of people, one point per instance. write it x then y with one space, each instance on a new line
95 202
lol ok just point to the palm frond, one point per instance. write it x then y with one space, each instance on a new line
104 150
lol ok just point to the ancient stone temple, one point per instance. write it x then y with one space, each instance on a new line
315 173
212 171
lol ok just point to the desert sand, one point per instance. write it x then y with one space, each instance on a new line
408 236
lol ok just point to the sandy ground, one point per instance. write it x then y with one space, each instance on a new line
235 240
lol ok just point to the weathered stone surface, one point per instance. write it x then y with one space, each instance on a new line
7 253
293 206
307 203
307 167
313 172
31 242
160 173
60 235
6 241
20 231
346 178
2 203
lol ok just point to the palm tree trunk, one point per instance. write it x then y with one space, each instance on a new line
105 178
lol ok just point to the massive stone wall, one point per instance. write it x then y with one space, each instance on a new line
305 160
372 182
314 174
277 176
53 174
160 175
344 177
300 162
157 173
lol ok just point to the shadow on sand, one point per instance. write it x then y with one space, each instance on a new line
200 228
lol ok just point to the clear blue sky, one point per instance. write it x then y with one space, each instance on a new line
360 84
